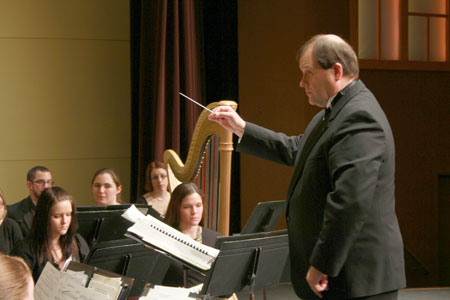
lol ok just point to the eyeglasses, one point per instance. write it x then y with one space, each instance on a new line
156 177
43 182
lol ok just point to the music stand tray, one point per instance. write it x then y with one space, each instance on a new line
127 282
264 217
97 223
247 262
130 258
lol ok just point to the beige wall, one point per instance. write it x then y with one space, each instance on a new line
64 92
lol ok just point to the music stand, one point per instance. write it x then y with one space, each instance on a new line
247 262
264 217
132 259
126 284
97 224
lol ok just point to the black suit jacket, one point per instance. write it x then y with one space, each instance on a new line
341 208
9 234
23 213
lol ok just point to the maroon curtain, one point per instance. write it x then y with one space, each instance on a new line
165 49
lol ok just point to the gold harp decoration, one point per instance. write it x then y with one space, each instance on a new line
204 165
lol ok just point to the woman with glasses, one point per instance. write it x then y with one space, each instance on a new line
156 184
186 214
10 231
53 233
106 187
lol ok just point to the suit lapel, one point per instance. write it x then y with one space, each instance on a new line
311 140
313 137
29 214
28 218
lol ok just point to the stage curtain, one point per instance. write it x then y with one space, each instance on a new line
179 46
165 61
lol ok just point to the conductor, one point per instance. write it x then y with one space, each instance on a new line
344 237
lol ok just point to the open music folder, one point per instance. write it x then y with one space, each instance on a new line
80 281
150 231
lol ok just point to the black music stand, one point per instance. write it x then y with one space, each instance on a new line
97 224
132 259
127 282
264 217
246 263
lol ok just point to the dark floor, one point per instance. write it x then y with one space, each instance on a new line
285 292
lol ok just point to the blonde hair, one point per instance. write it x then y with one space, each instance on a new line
15 277
5 211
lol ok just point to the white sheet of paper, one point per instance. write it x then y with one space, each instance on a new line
167 293
111 283
133 214
44 288
56 285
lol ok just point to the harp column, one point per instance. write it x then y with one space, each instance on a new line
225 149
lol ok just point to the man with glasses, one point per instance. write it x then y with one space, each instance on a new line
38 179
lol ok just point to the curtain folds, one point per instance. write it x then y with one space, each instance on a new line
166 53
187 46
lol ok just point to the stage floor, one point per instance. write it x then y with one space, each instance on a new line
285 292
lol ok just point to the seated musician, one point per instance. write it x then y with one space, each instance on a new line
53 235
156 184
16 282
10 231
185 213
106 187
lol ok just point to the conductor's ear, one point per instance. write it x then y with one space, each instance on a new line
338 71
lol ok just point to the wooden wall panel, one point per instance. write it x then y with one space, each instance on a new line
416 103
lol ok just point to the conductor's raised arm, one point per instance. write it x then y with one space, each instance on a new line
229 119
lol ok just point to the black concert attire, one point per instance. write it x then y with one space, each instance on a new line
9 234
23 213
340 210
26 250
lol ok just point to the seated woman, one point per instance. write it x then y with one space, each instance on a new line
156 184
53 235
186 214
10 231
106 187
16 282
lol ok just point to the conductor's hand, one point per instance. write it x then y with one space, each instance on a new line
317 281
229 119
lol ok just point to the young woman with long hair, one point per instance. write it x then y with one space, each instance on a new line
53 233
186 213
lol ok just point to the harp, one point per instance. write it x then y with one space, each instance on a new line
208 164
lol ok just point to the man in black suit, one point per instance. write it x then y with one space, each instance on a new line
344 237
38 179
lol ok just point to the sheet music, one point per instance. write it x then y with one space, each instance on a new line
106 285
55 285
159 292
44 288
168 239
133 214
